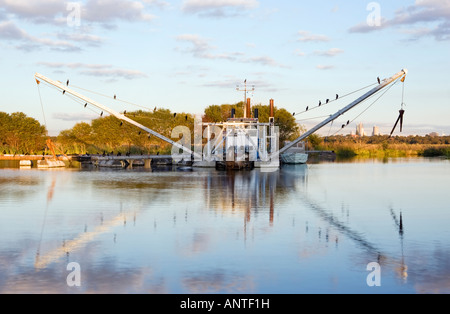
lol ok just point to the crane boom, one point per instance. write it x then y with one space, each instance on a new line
113 112
333 117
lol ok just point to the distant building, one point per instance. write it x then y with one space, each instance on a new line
360 130
376 131
434 134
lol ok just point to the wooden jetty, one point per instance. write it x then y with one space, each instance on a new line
29 157
131 161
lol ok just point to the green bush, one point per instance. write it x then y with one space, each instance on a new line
345 153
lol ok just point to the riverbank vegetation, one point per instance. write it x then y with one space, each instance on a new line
20 134
382 146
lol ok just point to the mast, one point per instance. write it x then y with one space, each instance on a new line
376 89
113 112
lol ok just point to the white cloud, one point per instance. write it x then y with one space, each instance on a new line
329 53
110 11
265 60
306 36
94 11
300 53
27 42
89 39
113 73
202 49
99 70
435 12
39 11
74 116
231 83
159 3
325 67
218 8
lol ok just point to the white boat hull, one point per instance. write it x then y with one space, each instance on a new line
294 158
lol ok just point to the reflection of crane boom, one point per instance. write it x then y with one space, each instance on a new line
65 89
79 242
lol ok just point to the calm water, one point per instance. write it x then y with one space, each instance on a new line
302 229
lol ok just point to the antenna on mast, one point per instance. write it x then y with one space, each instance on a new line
245 90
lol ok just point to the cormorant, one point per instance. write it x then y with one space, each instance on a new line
125 112
293 113
343 125
154 109
378 79
67 83
85 105
328 101
307 107
114 96
175 114
64 91
348 122
320 103
121 123
337 96
186 117
101 114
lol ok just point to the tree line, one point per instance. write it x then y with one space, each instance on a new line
108 135
20 134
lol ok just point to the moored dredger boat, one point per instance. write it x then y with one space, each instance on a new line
240 143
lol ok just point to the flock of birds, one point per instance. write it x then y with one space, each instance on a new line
125 112
328 100
186 117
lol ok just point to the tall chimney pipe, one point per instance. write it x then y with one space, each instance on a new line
271 109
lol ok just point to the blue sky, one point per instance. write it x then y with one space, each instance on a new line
186 55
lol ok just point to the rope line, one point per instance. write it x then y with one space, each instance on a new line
114 98
350 121
42 107
332 100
